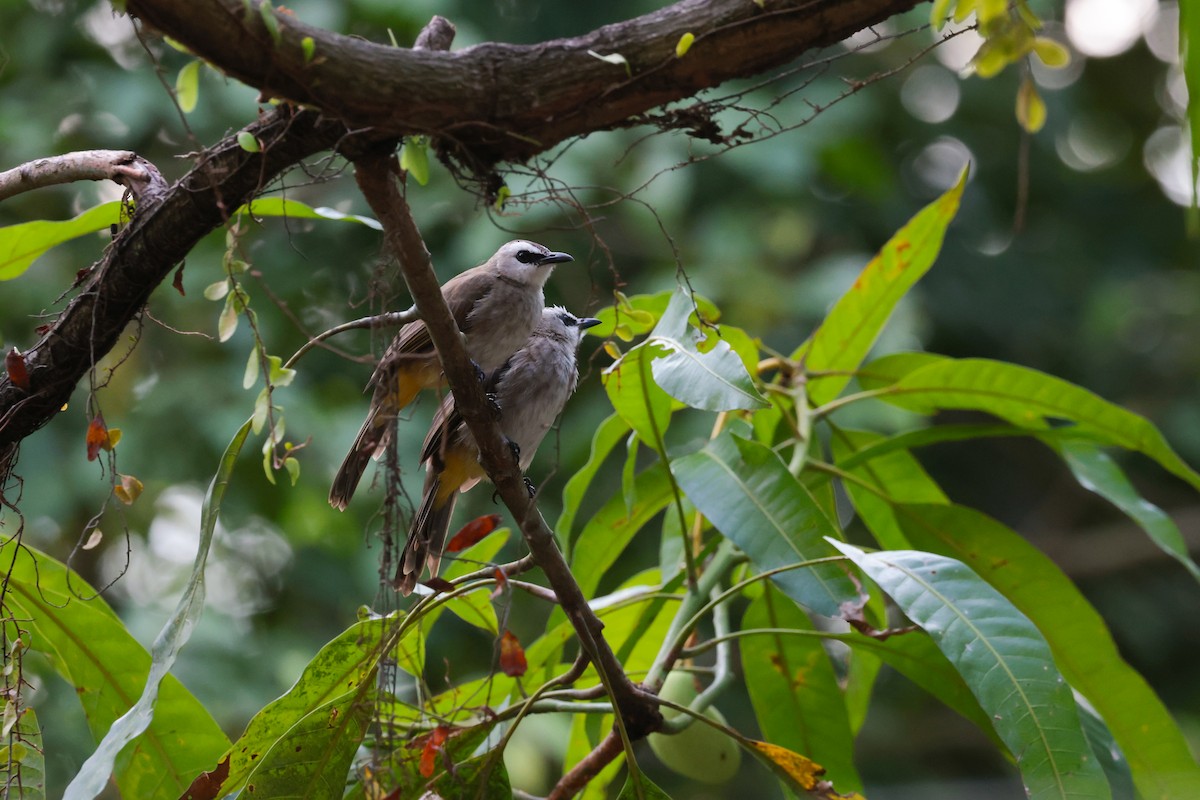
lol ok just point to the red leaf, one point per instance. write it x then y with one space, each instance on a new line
439 584
472 532
178 282
501 583
14 362
433 746
512 657
97 436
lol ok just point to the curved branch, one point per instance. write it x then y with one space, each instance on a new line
121 166
503 102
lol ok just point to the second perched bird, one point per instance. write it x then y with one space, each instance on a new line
496 305
531 389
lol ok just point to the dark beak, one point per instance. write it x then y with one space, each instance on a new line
588 322
555 258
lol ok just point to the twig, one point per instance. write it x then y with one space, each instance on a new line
375 174
385 320
587 768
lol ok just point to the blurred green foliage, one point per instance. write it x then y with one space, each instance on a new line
1099 287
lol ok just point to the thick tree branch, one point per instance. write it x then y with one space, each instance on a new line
163 231
375 173
501 102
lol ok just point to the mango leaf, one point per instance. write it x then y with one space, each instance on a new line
481 778
475 607
638 786
1033 400
917 658
1158 754
1189 51
636 397
842 341
698 367
794 690
749 495
610 432
890 368
23 758
896 474
170 640
281 207
1097 472
610 529
1108 754
1003 658
107 667
21 244
301 743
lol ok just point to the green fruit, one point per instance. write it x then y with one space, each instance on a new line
698 751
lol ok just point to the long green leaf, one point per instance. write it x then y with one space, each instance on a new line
895 473
21 244
702 372
1158 754
842 341
794 690
743 488
1189 52
1005 661
1034 400
170 640
610 529
24 758
281 207
644 406
93 651
610 432
1097 472
321 717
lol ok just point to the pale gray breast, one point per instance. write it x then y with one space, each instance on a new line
502 321
533 391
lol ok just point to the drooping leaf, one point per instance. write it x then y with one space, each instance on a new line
170 640
512 657
749 495
842 341
282 207
1033 400
107 668
610 529
604 440
896 475
1003 658
640 313
21 244
794 690
414 158
473 532
18 372
639 787
699 368
636 397
1097 472
1083 648
308 735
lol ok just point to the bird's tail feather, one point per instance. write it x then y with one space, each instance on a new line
371 440
428 534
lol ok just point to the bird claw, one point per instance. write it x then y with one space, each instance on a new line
494 405
515 449
480 375
529 487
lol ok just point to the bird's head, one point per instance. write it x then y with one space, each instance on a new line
528 262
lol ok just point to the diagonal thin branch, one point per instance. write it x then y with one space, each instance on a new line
375 173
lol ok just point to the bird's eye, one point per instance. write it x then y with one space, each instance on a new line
568 320
528 256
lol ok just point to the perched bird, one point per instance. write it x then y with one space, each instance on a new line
496 305
531 389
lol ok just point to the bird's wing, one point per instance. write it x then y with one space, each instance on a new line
445 420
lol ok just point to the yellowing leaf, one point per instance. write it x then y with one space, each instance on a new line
1051 53
684 44
613 58
1031 109
216 291
309 47
187 86
128 490
94 539
228 321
